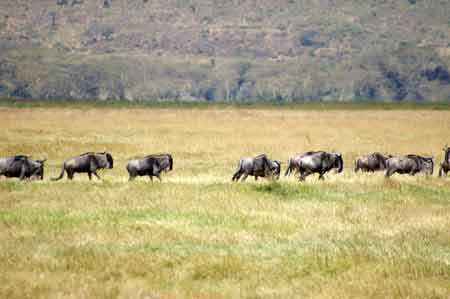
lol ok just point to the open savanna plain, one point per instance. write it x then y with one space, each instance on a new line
197 234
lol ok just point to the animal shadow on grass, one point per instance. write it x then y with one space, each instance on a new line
287 191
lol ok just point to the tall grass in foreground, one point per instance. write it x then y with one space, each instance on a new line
197 234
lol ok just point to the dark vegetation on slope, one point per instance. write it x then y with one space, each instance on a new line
233 51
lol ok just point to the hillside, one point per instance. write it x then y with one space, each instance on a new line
238 50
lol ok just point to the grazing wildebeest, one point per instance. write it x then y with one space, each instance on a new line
318 162
371 163
87 162
409 164
146 166
259 166
22 167
445 166
165 161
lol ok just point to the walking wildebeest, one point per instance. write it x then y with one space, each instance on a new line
409 164
165 161
317 162
371 163
445 166
146 166
22 167
87 162
259 166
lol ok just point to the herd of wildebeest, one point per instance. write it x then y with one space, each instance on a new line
305 164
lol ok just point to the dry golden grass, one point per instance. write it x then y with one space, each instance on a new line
197 234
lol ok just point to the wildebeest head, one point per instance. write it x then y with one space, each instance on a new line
36 168
110 160
446 150
338 162
425 164
275 168
428 164
104 160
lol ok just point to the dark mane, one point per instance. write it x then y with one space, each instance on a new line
261 156
311 153
87 153
380 156
158 155
20 157
419 157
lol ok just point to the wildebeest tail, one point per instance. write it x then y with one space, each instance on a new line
61 175
170 162
432 166
289 167
384 162
238 171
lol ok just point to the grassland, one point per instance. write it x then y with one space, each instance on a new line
197 235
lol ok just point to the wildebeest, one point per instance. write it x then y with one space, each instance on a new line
316 162
22 167
88 163
409 164
165 161
146 166
259 166
371 163
445 166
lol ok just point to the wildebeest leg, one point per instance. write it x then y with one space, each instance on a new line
236 175
22 172
150 177
95 173
389 172
90 175
159 177
301 176
321 175
244 177
413 172
131 178
70 174
256 177
444 169
304 175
